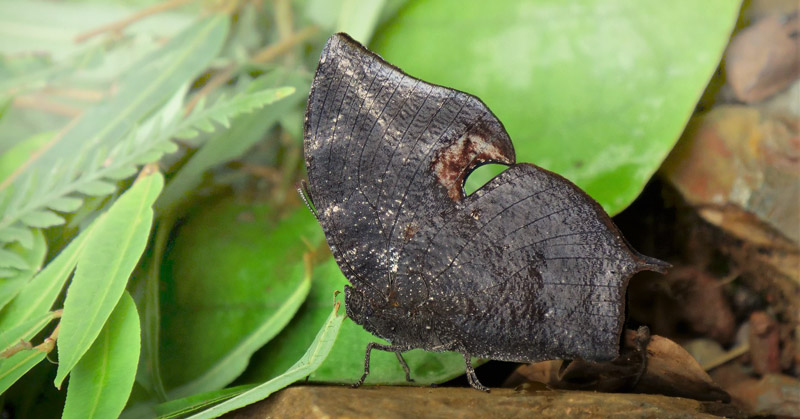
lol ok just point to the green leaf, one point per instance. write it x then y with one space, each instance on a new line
121 173
25 331
345 364
50 28
32 257
596 90
156 78
11 369
9 259
224 109
311 360
112 251
150 374
186 405
211 327
41 292
235 361
67 203
11 159
96 188
42 219
153 80
22 235
100 384
359 17
227 145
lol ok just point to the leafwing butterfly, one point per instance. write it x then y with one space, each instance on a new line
526 268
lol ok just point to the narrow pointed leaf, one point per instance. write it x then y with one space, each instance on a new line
9 259
12 284
312 359
155 78
42 219
97 188
65 204
180 407
121 173
39 294
24 331
167 147
17 365
19 234
149 157
112 251
100 384
247 130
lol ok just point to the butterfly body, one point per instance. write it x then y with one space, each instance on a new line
527 268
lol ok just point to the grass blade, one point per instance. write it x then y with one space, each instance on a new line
186 405
312 359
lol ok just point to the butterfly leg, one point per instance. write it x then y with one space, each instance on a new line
388 348
305 195
642 340
404 365
471 377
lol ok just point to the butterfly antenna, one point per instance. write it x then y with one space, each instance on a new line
302 190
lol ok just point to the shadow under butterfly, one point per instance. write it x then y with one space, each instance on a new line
527 268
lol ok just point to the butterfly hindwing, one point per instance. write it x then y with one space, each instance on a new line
526 268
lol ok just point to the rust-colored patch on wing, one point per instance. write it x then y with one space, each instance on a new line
452 163
409 232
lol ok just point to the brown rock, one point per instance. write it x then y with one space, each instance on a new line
763 58
670 370
739 167
449 402
772 395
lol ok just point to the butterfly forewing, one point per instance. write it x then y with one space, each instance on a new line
381 148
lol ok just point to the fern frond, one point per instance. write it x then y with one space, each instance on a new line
221 112
96 175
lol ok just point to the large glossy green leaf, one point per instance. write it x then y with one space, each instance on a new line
317 352
596 90
236 277
101 382
345 364
113 248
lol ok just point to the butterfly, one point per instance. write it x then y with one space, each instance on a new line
526 268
